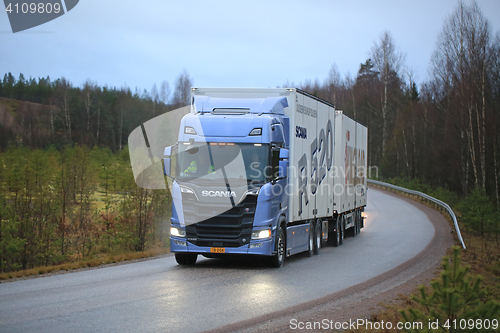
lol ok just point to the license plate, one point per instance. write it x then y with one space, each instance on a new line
217 250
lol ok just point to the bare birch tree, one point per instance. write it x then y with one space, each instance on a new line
182 92
333 84
388 62
154 98
461 65
64 90
88 92
164 92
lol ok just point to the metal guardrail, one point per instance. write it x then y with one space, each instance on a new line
427 197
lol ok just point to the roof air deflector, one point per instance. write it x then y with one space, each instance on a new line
230 111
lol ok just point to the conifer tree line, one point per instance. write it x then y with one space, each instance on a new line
54 112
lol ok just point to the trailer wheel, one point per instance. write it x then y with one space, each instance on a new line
318 237
354 231
341 230
336 234
186 258
358 223
279 257
310 244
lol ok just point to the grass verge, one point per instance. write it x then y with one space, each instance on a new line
482 256
103 260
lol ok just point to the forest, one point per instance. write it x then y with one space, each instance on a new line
67 190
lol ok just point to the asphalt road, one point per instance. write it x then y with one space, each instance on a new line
160 296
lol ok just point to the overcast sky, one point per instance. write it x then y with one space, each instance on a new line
223 43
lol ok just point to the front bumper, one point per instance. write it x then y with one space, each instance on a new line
266 247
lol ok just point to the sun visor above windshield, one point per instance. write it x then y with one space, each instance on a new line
205 104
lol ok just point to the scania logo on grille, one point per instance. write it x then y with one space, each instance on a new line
220 194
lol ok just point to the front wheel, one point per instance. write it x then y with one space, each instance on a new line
186 258
279 257
310 244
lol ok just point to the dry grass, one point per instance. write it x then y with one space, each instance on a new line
102 260
477 259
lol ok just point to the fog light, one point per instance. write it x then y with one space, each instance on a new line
254 245
178 242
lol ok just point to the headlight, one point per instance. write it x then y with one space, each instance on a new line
189 130
254 191
256 131
261 234
178 232
186 190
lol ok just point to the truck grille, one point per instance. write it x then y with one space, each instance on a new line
231 228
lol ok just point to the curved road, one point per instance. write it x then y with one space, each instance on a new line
158 295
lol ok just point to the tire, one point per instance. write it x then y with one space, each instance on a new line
310 244
341 230
336 233
356 228
361 221
358 224
279 257
186 258
317 237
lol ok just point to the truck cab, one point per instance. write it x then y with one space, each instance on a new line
230 170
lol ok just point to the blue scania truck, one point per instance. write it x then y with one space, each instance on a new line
265 172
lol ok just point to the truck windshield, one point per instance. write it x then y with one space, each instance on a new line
217 161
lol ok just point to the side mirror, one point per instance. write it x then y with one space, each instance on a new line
279 164
284 154
283 163
166 161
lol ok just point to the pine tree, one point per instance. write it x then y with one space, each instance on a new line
457 300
